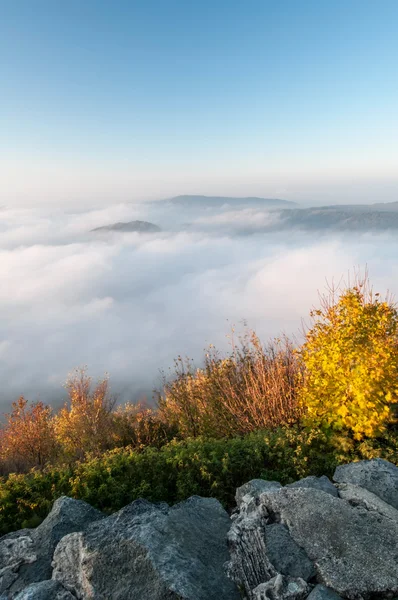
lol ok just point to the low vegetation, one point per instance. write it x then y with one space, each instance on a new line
253 388
179 469
280 411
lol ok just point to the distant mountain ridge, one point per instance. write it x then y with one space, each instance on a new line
286 215
218 201
366 217
130 226
375 207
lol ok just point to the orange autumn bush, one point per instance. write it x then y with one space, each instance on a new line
253 387
28 437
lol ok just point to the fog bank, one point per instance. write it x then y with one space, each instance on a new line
127 304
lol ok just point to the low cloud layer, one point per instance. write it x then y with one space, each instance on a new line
235 221
127 304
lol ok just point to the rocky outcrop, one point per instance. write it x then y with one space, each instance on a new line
317 483
150 551
358 496
341 537
311 540
287 557
254 488
26 555
378 476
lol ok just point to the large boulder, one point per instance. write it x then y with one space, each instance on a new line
378 476
341 537
354 550
254 488
317 483
250 564
26 555
260 550
286 556
148 551
358 496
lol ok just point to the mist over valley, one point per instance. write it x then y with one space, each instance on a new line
159 279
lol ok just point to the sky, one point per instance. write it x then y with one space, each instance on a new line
104 102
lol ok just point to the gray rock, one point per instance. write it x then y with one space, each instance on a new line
359 496
354 550
285 555
249 564
322 483
378 476
254 488
260 551
16 549
25 555
281 588
320 592
152 552
45 590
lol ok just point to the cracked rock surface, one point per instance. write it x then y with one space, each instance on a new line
341 540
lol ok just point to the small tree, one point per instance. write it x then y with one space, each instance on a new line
351 362
28 436
85 423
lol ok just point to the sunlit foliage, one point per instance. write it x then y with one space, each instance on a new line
139 425
85 423
252 388
28 437
351 363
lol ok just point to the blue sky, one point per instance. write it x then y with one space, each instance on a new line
112 100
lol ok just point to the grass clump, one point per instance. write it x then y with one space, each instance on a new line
252 388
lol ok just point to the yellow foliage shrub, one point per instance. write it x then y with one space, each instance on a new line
85 424
351 363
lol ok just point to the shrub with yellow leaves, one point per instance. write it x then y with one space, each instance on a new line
85 423
350 357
